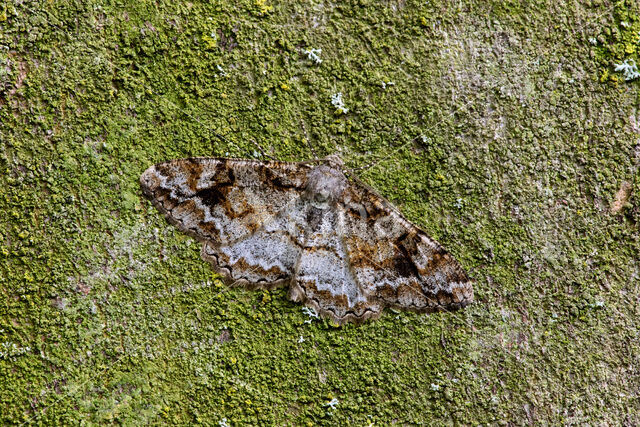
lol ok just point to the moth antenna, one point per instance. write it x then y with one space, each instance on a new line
400 147
220 137
306 136
264 154
375 162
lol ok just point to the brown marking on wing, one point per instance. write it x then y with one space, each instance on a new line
209 229
193 170
216 195
437 261
365 210
186 209
385 292
402 261
324 295
457 295
164 169
276 180
222 196
163 196
444 297
333 306
241 267
363 253
415 271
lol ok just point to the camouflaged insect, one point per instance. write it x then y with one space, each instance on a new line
342 249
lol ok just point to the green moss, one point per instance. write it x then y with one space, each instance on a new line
619 41
107 313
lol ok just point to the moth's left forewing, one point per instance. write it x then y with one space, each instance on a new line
222 200
243 211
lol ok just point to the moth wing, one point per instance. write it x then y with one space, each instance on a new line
395 261
265 258
243 211
323 276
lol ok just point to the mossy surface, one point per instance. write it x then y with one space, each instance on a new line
498 136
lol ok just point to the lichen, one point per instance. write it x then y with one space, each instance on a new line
498 138
617 43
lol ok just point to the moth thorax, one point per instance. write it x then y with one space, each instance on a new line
325 185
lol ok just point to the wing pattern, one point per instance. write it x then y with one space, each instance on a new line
344 250
243 211
403 266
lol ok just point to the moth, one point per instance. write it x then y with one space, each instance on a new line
342 249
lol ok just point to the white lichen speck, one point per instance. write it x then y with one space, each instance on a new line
332 403
314 55
629 69
336 101
311 313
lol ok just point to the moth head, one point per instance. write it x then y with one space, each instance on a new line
325 186
334 161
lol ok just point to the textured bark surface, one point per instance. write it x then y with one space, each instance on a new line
500 127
